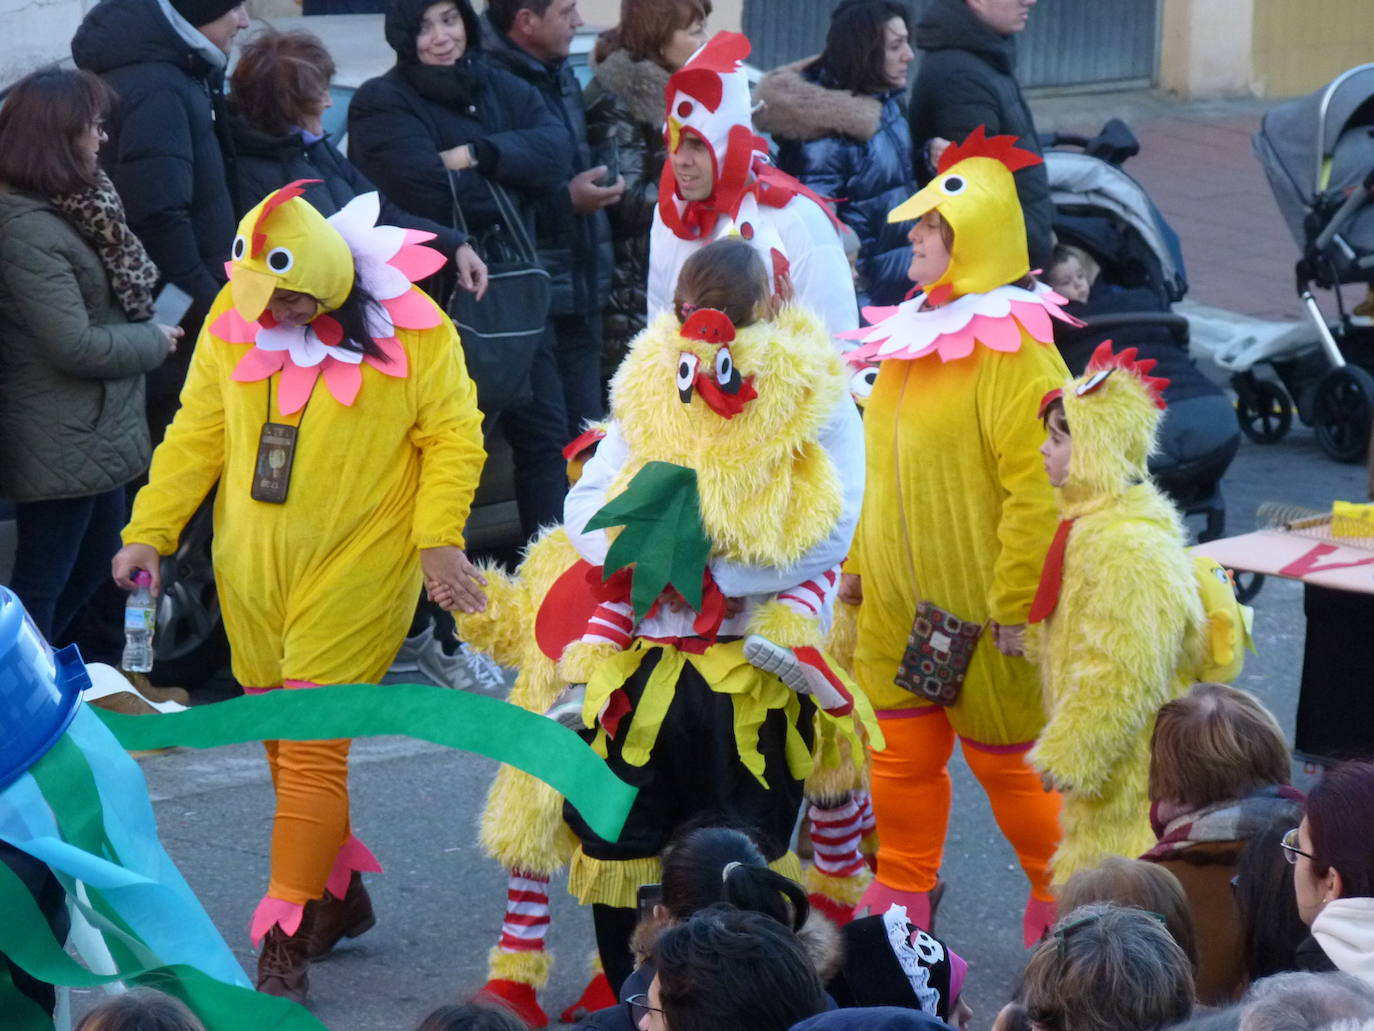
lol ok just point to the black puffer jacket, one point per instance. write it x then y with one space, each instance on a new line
164 154
625 103
399 122
967 78
576 249
855 148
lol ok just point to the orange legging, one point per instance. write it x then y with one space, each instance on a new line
911 799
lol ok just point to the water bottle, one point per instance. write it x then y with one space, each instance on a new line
140 619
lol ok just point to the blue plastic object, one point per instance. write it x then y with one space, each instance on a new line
39 689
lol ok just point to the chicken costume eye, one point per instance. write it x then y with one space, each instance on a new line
686 375
861 383
727 375
279 259
953 185
240 248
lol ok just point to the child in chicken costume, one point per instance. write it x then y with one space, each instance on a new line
958 513
1117 625
317 582
791 226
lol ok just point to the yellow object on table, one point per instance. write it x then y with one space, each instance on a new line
1349 519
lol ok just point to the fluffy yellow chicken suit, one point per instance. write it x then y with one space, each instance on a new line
958 512
1127 631
319 586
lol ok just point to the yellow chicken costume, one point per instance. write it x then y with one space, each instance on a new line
958 512
319 587
1117 627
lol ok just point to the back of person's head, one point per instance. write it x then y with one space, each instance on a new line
41 121
1227 1019
729 970
1271 929
1305 1002
1107 968
709 865
647 26
1340 822
727 275
404 19
280 78
502 12
471 1016
141 1010
856 42
1140 885
872 1018
1215 744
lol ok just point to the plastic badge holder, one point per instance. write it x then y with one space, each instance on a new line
39 689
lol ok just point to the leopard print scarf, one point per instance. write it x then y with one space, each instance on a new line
99 214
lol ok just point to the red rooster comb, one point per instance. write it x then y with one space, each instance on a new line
709 325
1103 360
275 201
979 145
700 78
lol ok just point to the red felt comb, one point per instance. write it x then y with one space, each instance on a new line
980 145
700 77
286 193
708 325
1104 360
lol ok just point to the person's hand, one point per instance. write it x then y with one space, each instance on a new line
173 335
588 197
672 601
935 146
851 589
451 581
733 607
1010 640
130 559
459 158
472 270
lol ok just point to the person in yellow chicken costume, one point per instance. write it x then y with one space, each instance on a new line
1117 624
958 514
335 500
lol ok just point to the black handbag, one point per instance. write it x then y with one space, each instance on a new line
501 333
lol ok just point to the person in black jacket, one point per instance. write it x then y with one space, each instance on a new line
532 39
444 109
967 78
840 125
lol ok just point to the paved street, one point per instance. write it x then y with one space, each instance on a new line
440 902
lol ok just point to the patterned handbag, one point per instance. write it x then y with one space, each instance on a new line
938 654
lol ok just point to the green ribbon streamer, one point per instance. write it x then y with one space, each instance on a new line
458 719
21 1012
28 941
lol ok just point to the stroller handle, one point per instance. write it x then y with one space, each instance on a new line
1176 325
1359 195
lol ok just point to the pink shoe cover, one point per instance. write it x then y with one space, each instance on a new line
353 855
286 915
1040 917
878 898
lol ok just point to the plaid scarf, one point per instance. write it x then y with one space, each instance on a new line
99 215
1225 821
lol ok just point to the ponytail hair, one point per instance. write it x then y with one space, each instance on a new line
709 865
761 890
728 275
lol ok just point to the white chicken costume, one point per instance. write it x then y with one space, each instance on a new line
790 226
319 588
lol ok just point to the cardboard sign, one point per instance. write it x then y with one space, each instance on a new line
1322 563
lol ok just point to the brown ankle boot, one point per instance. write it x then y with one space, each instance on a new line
335 918
283 963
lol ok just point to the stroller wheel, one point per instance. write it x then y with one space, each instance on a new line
1264 411
1343 408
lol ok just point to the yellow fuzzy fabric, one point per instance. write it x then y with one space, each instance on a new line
581 659
784 625
838 780
522 824
616 882
844 890
843 635
531 968
1126 635
768 491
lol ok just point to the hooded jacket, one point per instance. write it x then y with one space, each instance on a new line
625 104
165 154
397 128
575 249
1345 931
854 148
967 78
72 365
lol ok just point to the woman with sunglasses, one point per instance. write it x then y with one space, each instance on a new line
1332 852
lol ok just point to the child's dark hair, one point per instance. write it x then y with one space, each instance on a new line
141 1010
352 318
728 275
472 1016
1055 407
710 865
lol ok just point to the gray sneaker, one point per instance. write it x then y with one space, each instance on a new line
407 659
461 669
567 707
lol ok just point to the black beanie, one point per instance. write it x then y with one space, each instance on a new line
203 12
402 26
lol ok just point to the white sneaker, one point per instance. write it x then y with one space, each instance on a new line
801 669
567 707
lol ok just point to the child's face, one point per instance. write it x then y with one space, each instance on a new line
1070 278
929 254
1057 449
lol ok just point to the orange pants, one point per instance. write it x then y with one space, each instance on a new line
911 799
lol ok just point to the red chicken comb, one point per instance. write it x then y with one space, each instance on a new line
1104 360
286 193
979 145
709 325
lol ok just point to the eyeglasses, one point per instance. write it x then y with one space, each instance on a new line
637 1007
1289 844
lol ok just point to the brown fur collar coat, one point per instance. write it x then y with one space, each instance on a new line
796 108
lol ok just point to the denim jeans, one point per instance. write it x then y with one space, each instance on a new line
63 555
579 366
537 428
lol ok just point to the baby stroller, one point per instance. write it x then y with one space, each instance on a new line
1318 154
1103 211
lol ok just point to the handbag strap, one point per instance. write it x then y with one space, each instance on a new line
459 222
505 209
